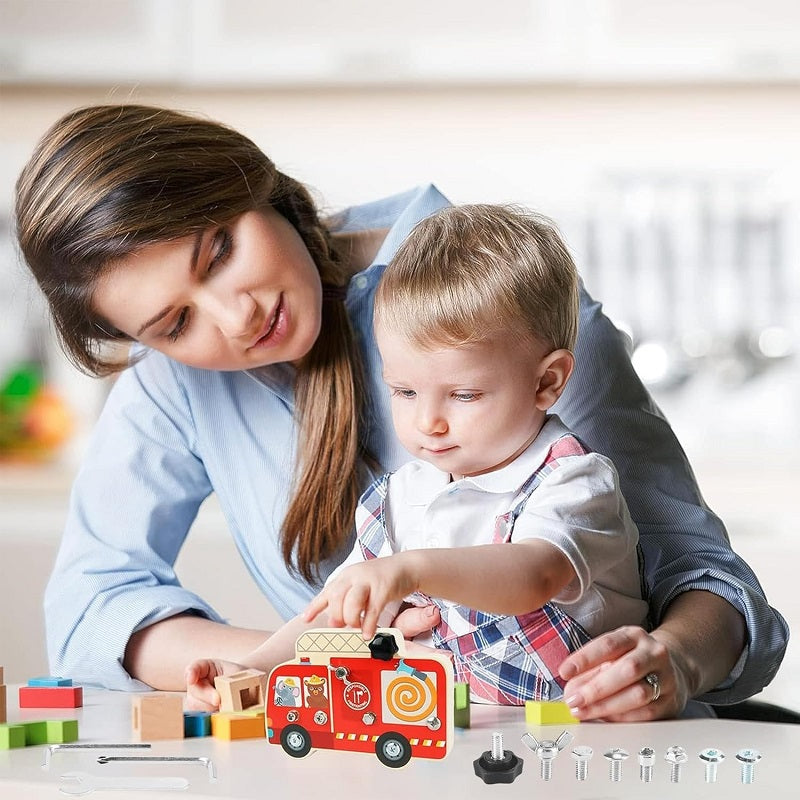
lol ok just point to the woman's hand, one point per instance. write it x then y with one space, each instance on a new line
606 678
200 692
694 649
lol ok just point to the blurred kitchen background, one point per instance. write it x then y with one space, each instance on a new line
662 136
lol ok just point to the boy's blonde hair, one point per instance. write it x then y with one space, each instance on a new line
469 272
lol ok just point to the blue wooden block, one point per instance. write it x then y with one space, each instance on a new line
196 724
49 680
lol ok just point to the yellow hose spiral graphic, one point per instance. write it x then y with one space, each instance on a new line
410 699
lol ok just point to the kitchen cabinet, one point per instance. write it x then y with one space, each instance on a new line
272 43
91 41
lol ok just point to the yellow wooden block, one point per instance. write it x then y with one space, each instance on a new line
227 725
552 712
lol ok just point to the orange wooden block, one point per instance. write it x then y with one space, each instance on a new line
50 696
226 725
157 716
241 690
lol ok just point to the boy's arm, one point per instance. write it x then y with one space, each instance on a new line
280 646
512 579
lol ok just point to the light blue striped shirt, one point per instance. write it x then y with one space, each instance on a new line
169 435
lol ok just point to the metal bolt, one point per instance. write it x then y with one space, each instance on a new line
547 750
497 746
711 757
581 754
647 757
615 758
748 759
676 757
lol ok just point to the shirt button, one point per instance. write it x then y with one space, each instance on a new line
361 282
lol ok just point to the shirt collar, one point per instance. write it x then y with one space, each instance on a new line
427 482
399 212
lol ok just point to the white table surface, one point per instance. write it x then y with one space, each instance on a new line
255 769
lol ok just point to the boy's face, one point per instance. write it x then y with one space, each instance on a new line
466 410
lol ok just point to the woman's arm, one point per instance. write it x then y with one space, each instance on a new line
133 501
692 651
685 546
158 655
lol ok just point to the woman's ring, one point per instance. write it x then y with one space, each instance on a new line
652 679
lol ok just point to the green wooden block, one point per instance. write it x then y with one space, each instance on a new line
461 695
35 732
62 731
461 705
12 736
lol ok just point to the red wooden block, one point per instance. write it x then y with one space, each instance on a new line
50 696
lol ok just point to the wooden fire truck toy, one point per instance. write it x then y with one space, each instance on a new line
342 693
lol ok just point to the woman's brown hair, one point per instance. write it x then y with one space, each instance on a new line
106 181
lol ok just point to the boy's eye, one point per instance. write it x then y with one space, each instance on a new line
466 397
407 393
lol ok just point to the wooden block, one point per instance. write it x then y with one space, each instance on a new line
62 731
49 680
1 675
196 724
12 736
35 732
50 696
227 725
3 706
157 716
553 712
241 690
461 705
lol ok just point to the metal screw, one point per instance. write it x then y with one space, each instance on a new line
676 757
582 754
647 757
497 746
711 757
748 759
615 758
547 750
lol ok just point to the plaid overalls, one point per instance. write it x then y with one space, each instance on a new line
506 660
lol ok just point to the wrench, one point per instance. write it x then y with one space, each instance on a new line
204 761
54 748
87 783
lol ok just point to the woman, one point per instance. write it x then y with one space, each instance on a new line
258 378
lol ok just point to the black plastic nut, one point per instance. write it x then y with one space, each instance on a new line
383 647
500 770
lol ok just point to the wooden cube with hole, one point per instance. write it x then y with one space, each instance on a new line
241 690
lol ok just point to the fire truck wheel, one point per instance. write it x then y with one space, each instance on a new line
393 750
295 741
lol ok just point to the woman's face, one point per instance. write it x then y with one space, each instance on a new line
236 296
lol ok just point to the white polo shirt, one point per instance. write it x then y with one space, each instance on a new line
578 507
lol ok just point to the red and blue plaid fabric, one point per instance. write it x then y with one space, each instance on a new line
505 660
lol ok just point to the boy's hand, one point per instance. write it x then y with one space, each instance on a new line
358 595
200 692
